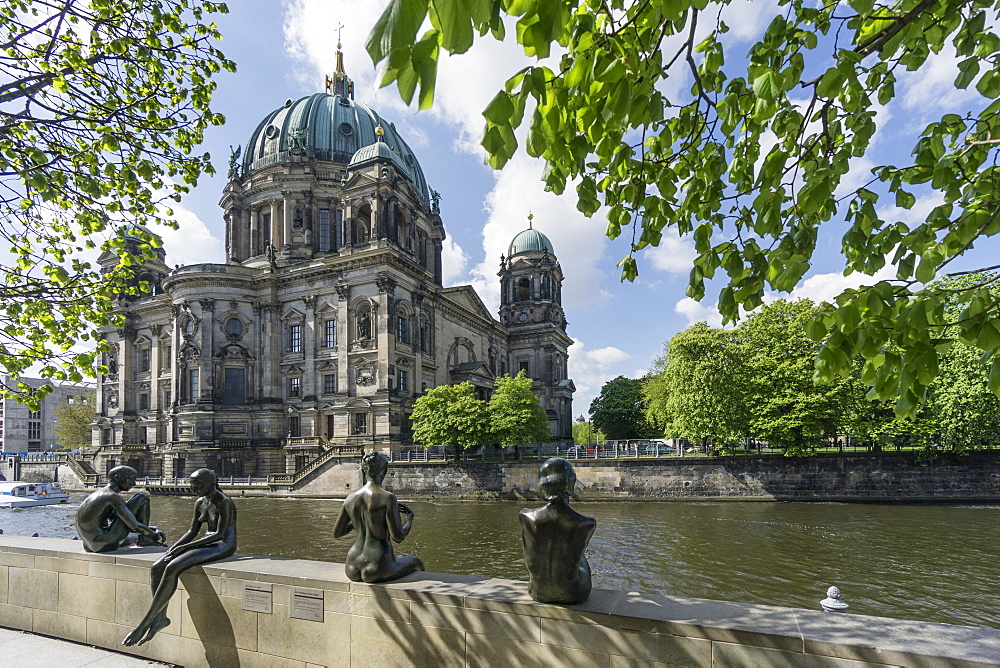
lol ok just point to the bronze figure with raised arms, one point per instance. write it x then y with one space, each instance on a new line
555 538
217 511
374 514
104 519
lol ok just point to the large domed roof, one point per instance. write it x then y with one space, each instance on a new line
327 127
530 240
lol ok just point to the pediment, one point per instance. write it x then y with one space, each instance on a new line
467 297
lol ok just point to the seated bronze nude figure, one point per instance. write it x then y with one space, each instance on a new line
374 513
212 508
555 538
104 519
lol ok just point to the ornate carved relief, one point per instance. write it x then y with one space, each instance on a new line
386 283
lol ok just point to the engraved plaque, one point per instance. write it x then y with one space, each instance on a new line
257 597
306 604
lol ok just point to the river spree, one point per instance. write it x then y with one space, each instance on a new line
928 562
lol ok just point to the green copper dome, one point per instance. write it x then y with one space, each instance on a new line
327 127
530 240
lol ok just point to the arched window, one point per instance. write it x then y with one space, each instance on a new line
400 229
363 226
523 289
546 286
426 342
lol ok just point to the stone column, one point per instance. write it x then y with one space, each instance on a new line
309 336
344 335
286 220
244 235
275 227
437 261
207 346
348 224
254 233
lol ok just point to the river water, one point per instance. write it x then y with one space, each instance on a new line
928 562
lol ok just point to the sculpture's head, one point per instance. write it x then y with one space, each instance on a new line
556 479
123 477
203 481
374 465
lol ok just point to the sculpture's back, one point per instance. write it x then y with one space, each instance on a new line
373 513
555 539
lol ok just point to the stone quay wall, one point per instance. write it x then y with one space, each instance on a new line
238 612
888 477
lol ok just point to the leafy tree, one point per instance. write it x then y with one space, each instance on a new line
72 423
618 410
450 415
698 388
515 415
101 106
786 407
749 156
585 432
962 410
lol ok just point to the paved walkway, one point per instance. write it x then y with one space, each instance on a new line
27 649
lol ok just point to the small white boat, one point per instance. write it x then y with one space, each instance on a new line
19 494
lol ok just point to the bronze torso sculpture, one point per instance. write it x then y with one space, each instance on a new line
555 538
374 514
217 511
104 519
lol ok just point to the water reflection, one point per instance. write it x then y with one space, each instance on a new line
935 563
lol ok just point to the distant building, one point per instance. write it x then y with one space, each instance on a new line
328 317
24 430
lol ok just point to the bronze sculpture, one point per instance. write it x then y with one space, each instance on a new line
104 519
218 511
374 513
555 538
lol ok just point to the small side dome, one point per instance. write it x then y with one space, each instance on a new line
530 240
377 152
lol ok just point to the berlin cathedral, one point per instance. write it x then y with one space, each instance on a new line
328 317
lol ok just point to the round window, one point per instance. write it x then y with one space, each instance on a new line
189 327
271 132
234 327
346 129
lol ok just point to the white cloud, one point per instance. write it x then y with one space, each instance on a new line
578 241
826 287
453 261
674 255
931 89
590 369
917 213
192 242
697 312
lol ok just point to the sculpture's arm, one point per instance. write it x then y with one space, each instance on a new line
343 525
182 543
397 530
125 514
226 516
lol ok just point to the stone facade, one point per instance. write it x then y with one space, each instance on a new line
24 430
328 318
52 587
836 478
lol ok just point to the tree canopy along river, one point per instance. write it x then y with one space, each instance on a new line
928 562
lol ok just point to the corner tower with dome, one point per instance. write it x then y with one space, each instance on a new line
327 317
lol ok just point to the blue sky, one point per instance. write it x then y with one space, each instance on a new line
283 49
